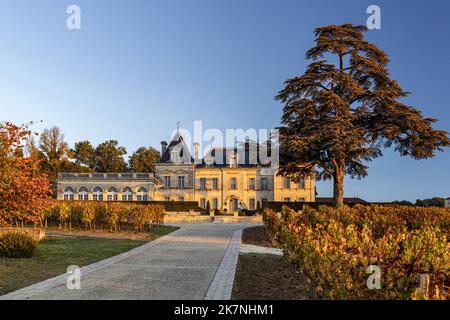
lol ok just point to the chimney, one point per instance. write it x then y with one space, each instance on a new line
163 148
196 151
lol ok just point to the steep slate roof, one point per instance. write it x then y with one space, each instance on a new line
221 158
177 142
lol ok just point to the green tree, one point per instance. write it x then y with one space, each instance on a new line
143 159
109 157
433 202
345 108
84 154
403 202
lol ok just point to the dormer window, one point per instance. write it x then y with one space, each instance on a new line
175 156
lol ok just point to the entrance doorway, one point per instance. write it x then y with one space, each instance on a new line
234 205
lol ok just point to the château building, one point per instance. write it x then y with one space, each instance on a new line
225 178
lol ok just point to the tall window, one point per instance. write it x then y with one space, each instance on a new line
251 183
251 204
203 203
287 199
233 184
202 183
142 194
235 204
127 194
98 194
181 182
69 193
215 183
181 199
301 184
287 183
264 184
83 194
167 182
215 203
301 199
167 199
112 194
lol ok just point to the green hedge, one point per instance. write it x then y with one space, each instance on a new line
296 206
179 206
278 205
170 205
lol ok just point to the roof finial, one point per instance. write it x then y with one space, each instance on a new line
178 125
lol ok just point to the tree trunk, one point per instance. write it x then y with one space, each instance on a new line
338 187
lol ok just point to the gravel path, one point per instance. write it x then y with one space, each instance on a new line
181 265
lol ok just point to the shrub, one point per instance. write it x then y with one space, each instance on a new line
278 205
247 213
17 245
178 206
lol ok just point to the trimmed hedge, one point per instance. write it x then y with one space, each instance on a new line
171 206
333 247
297 206
179 206
247 213
278 205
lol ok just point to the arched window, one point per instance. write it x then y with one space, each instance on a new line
142 194
112 194
98 194
68 193
127 194
83 193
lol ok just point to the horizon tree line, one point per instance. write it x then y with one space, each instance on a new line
53 155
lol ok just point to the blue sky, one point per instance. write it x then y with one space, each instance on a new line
137 67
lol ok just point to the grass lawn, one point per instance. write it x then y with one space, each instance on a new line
55 254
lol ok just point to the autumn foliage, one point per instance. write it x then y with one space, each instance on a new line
112 216
333 247
24 192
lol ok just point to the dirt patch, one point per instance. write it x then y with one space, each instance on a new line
267 277
256 236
